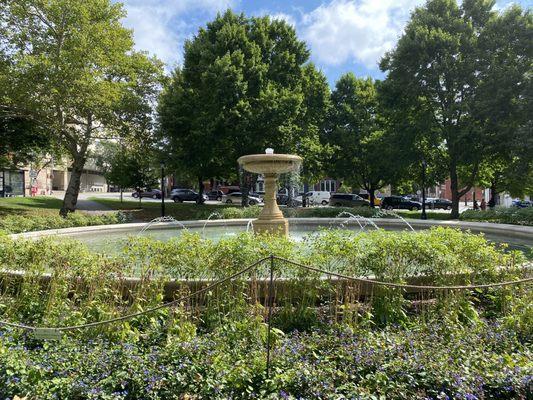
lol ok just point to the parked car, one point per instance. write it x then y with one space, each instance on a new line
153 193
215 195
260 195
399 202
434 203
347 200
366 196
181 195
229 189
236 197
522 203
318 197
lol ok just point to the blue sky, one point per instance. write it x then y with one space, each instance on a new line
343 35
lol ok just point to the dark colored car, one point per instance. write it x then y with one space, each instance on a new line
236 197
215 195
153 193
347 200
522 203
181 195
399 202
445 204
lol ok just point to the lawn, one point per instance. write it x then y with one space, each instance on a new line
27 206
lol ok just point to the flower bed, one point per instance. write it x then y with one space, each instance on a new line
485 360
327 341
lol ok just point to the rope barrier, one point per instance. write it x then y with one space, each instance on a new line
405 286
140 313
250 267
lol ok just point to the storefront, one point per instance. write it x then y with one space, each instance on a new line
12 183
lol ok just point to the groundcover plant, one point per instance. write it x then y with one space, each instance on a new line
331 337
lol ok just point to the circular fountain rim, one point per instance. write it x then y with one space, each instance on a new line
517 231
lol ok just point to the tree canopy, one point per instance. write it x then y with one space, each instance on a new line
70 65
437 84
245 85
355 132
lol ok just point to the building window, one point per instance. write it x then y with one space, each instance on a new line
328 185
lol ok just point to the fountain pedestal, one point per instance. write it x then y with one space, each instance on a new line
271 165
271 219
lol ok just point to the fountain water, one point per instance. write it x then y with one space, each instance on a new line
162 220
358 219
271 166
213 214
250 226
385 213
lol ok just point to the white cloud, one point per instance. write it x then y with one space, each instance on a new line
355 31
160 27
284 17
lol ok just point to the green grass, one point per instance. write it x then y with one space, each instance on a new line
27 206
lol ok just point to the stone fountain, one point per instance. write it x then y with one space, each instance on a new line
270 165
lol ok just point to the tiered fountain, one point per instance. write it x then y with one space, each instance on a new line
270 165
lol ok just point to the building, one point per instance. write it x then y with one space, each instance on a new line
49 179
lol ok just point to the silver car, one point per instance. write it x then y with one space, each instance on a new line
236 197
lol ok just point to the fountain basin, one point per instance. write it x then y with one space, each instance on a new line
110 238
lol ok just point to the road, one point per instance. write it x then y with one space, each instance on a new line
86 204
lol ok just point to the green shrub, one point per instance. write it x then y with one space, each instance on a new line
501 215
21 223
440 256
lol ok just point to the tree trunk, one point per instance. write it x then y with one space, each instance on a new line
455 192
121 195
73 189
372 197
245 187
200 199
493 195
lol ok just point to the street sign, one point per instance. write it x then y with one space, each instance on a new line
33 173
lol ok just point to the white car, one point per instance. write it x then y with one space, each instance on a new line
318 197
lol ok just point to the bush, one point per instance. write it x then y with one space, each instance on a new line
20 223
501 215
440 256
438 361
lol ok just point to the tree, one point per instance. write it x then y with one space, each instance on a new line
244 86
21 142
126 165
355 132
505 105
433 87
71 67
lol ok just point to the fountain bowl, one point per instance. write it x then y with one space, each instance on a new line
270 163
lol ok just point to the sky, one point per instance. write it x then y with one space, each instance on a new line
343 35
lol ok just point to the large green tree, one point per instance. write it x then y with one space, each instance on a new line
434 87
505 106
244 86
71 66
356 133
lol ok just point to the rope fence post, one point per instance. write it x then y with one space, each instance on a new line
270 301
